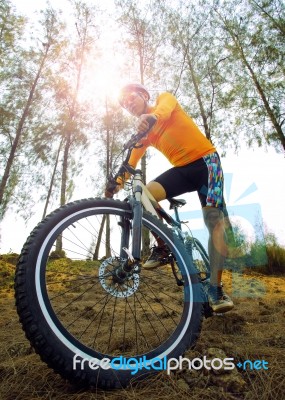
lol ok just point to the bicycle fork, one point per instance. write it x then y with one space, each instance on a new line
137 216
134 225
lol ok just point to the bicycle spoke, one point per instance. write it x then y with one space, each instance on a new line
165 306
147 317
163 292
80 293
72 290
131 316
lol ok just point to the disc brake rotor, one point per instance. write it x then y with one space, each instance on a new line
107 278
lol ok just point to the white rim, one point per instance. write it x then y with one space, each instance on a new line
50 322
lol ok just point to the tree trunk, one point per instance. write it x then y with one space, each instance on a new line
198 95
19 131
260 90
52 180
63 184
108 165
65 169
243 58
97 247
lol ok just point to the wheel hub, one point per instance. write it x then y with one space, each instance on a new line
115 282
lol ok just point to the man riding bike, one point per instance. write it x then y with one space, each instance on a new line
196 167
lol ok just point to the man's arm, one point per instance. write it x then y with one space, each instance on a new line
164 107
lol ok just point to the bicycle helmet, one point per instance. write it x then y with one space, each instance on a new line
132 87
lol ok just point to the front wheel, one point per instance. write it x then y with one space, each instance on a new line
86 322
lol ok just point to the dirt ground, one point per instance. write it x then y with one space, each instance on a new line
253 331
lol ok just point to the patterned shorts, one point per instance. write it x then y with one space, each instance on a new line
204 176
215 181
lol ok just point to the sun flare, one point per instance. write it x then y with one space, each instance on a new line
101 81
104 75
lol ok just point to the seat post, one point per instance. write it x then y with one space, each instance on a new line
177 215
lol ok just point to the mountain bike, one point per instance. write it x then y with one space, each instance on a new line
87 304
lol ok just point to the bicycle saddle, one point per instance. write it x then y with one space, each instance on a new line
176 203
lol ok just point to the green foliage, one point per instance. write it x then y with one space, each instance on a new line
268 256
7 273
255 69
224 60
264 254
237 238
276 259
257 256
10 258
7 270
67 266
11 28
23 95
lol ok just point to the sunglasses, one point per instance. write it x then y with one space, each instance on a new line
128 99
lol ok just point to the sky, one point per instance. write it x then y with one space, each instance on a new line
254 190
254 185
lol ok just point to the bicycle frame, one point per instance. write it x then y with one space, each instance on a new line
150 204
143 198
143 195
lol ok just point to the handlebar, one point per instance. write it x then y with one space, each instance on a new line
131 144
136 138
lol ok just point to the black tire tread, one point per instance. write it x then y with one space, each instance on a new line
54 356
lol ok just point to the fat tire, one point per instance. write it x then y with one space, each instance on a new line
46 342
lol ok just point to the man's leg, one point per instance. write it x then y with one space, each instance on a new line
214 220
157 190
161 251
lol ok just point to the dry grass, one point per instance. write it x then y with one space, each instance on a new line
254 330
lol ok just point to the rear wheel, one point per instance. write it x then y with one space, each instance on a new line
77 311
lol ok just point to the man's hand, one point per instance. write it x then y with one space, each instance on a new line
108 194
111 189
143 124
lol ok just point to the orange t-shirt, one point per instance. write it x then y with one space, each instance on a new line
175 135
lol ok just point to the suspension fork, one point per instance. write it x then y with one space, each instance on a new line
137 215
136 225
136 202
125 236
